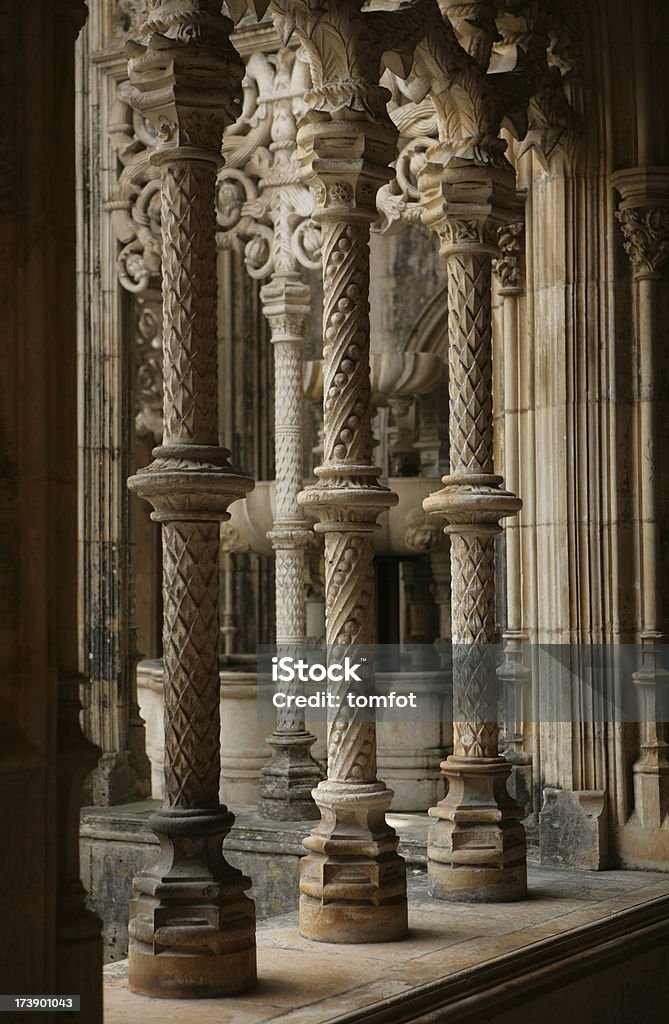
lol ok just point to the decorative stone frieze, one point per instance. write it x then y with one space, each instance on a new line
148 361
134 203
191 936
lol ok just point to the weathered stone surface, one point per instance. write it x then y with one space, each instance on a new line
117 844
583 944
573 829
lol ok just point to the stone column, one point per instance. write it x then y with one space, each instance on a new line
476 846
513 672
644 218
352 882
287 781
192 928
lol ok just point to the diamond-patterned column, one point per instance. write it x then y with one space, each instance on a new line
192 927
476 845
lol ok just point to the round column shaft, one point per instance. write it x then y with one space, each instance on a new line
192 928
287 781
513 673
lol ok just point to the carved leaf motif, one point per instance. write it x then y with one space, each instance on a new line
646 234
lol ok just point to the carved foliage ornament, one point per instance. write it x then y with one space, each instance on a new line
135 201
646 234
149 369
346 47
262 206
508 266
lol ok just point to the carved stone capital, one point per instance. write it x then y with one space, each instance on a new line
286 303
187 77
508 267
646 234
644 218
346 162
423 532
465 204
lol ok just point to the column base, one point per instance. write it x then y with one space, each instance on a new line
651 792
352 881
286 783
192 928
476 848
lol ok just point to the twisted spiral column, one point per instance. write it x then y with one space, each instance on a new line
191 929
352 882
287 781
476 845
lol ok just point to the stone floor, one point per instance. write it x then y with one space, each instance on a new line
461 959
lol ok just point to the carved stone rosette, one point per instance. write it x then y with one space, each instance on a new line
192 928
476 846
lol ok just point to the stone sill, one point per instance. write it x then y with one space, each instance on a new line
582 947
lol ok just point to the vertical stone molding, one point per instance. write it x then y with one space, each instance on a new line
476 846
192 928
77 949
644 218
352 882
513 673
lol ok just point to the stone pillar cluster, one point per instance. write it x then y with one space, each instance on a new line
514 673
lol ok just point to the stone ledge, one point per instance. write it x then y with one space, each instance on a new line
116 844
583 947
